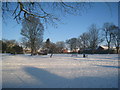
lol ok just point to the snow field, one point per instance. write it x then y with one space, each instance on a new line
60 71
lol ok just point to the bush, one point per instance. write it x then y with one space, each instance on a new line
10 46
4 47
17 49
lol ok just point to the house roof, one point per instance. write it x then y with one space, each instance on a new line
104 47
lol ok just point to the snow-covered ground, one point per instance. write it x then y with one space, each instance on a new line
60 71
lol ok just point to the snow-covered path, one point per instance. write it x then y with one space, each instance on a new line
60 71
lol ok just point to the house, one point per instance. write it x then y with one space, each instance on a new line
66 50
26 50
102 47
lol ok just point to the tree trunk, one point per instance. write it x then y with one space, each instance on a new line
108 47
33 48
31 51
117 48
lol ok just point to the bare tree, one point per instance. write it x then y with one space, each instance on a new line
25 43
83 41
94 37
60 45
72 43
79 44
46 11
32 30
116 38
108 32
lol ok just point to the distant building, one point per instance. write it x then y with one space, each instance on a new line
39 51
75 50
66 50
102 47
26 50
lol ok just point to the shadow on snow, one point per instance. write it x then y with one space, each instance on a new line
108 66
50 80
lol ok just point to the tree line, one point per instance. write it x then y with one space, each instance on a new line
33 31
13 47
90 40
10 46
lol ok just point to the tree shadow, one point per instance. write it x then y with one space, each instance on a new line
108 66
50 80
110 58
87 59
47 79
